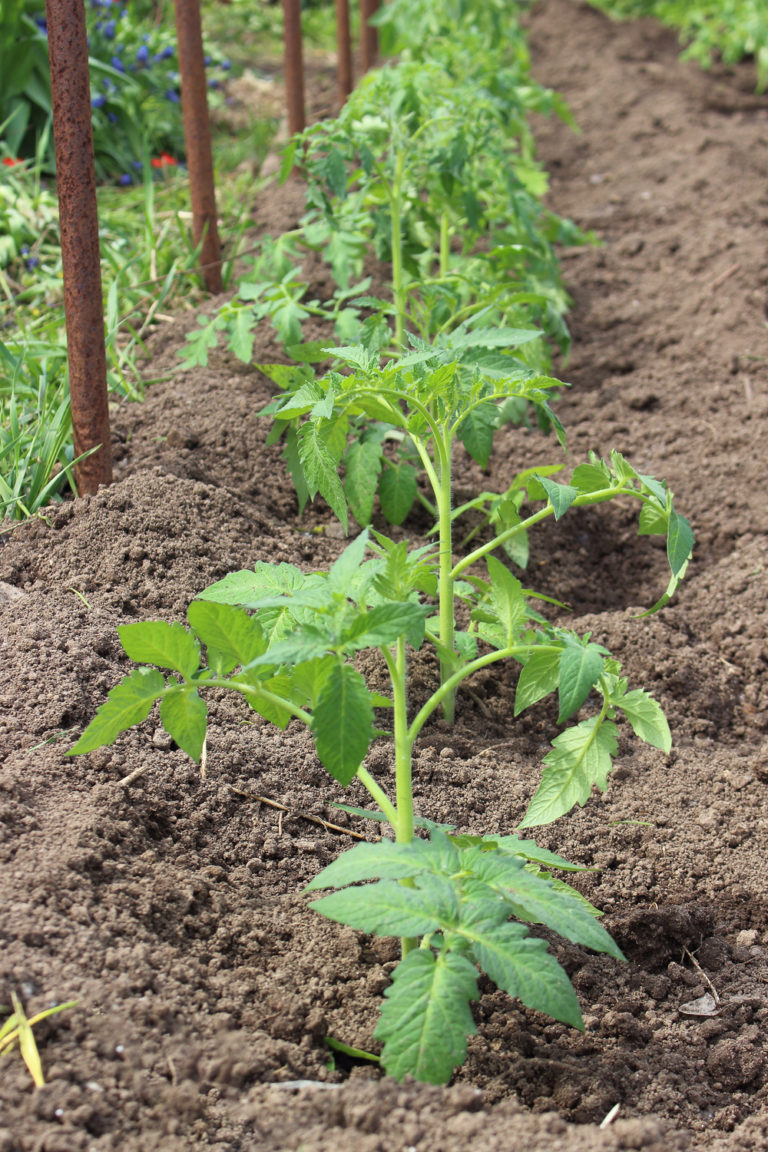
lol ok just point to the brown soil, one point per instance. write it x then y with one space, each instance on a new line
171 907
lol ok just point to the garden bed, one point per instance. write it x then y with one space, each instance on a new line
170 907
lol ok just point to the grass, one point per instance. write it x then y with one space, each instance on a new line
149 270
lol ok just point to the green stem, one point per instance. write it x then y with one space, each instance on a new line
403 760
403 747
445 244
446 578
260 694
484 549
452 683
398 274
385 804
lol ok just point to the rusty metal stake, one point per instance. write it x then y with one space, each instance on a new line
197 137
343 51
294 66
79 225
369 34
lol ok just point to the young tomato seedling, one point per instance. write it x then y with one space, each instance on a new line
456 902
457 389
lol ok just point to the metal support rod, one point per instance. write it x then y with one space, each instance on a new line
79 225
294 66
197 137
343 51
369 34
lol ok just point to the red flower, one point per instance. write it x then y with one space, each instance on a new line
163 161
10 162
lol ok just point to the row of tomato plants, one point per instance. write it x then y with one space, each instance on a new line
430 167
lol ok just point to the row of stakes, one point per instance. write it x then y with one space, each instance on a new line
76 186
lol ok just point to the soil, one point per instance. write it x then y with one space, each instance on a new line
170 907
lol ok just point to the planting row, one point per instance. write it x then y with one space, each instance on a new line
430 168
709 29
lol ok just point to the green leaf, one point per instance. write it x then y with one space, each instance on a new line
185 717
507 598
518 548
250 588
657 489
653 521
386 623
426 1018
272 711
580 669
580 757
307 643
342 723
561 496
309 678
300 400
293 464
523 967
362 466
334 171
622 469
397 491
532 896
320 471
345 567
672 586
240 329
167 645
590 478
388 908
539 677
230 635
128 703
679 542
200 341
531 851
493 338
646 717
384 860
476 432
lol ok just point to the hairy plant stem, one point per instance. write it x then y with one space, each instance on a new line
403 747
398 273
584 501
396 662
447 626
445 244
379 795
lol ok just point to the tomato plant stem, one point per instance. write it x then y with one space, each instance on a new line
398 273
445 244
446 580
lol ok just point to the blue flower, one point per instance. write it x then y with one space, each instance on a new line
98 101
142 55
214 83
31 261
167 52
125 179
137 164
208 60
109 30
172 96
112 117
225 65
117 64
